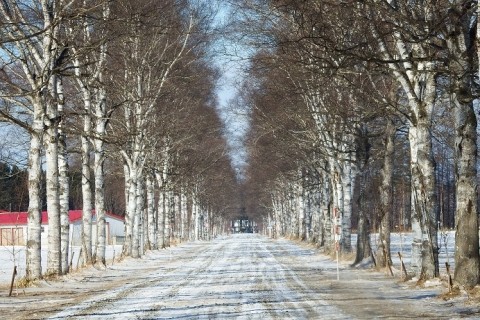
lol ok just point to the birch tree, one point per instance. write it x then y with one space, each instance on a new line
36 35
463 70
390 47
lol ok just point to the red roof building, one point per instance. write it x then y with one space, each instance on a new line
13 226
20 218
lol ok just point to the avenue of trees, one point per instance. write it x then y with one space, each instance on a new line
363 118
117 99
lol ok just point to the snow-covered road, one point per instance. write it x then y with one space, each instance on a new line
241 277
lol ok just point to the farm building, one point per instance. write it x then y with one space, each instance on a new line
13 227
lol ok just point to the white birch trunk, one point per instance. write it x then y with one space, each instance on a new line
99 160
177 221
284 216
101 241
308 214
64 188
206 224
184 210
300 210
277 212
348 174
316 217
386 197
425 243
151 225
54 265
326 204
338 203
138 227
196 212
86 190
161 220
293 213
170 207
131 184
33 252
161 211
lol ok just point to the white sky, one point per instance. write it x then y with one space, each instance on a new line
234 116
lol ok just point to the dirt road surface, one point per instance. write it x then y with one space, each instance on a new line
243 276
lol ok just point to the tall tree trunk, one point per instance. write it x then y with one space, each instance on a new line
151 225
169 207
177 225
363 234
64 188
347 180
131 187
34 226
54 265
196 213
386 197
464 67
425 242
325 237
100 244
161 220
338 203
138 226
184 210
300 210
86 193
160 177
467 260
99 172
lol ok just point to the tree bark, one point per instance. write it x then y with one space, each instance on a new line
386 197
34 226
86 191
54 265
161 210
130 191
151 225
347 180
99 160
300 209
138 243
425 242
467 260
64 187
463 66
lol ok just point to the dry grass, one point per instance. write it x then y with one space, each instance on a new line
474 296
25 283
456 292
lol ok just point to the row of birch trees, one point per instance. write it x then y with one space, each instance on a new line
119 83
353 101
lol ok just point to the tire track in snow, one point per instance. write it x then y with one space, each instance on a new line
238 277
111 305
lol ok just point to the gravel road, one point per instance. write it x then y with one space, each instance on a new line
242 276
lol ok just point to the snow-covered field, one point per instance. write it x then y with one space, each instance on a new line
401 242
243 276
11 256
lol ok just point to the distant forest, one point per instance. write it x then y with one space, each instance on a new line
14 190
